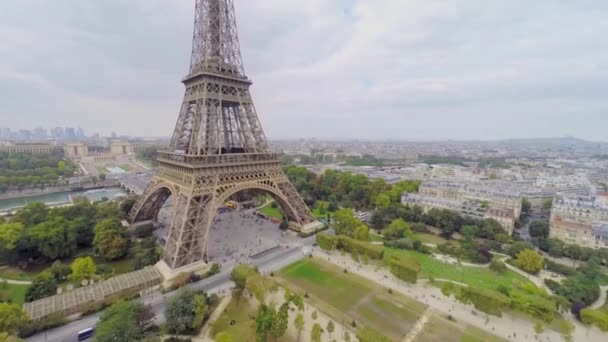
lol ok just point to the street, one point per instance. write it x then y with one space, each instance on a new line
216 284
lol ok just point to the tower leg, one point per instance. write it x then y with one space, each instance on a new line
192 217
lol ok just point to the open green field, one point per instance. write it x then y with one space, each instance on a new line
16 293
268 210
439 329
347 297
473 276
430 238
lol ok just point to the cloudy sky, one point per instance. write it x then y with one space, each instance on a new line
371 69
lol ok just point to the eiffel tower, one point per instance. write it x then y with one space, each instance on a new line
218 147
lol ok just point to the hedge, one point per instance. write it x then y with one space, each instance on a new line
326 241
595 317
360 247
404 268
534 305
485 300
350 245
559 268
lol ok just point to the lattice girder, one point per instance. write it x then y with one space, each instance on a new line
218 147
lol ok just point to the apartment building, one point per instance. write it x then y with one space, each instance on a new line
484 199
581 220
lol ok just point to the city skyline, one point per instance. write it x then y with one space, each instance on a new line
341 70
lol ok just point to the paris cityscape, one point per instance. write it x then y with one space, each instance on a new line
446 183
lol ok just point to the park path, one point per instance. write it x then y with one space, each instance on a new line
203 336
16 282
602 299
419 326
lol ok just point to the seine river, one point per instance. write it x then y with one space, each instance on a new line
93 195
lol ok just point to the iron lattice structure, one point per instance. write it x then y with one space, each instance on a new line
218 147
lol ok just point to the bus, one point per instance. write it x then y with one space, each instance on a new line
85 334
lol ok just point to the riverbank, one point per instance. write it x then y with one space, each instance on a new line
93 193
47 190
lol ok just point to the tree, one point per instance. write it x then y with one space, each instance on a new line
330 327
5 337
398 229
12 318
279 325
264 321
123 321
526 206
43 285
498 266
82 268
529 261
547 204
517 247
102 176
539 229
361 233
224 336
54 238
126 205
10 235
315 333
111 239
344 222
314 315
383 201
32 214
299 323
186 311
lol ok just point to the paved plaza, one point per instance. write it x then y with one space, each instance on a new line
238 236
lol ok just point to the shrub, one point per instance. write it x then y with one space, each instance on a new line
485 300
498 266
419 227
559 268
404 268
360 247
595 317
326 241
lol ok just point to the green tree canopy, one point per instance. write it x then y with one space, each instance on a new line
43 285
12 318
111 239
529 261
123 321
82 268
185 312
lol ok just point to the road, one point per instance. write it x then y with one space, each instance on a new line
216 284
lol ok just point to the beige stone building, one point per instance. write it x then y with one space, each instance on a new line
29 148
581 220
483 200
119 147
76 150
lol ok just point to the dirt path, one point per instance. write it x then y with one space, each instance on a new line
419 326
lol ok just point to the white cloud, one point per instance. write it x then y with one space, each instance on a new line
363 68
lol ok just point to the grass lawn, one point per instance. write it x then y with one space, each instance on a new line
430 238
244 326
15 273
268 210
474 276
347 297
439 329
15 292
125 167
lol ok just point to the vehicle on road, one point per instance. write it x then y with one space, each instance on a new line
86 334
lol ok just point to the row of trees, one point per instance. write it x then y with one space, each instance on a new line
344 189
19 170
37 231
448 221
